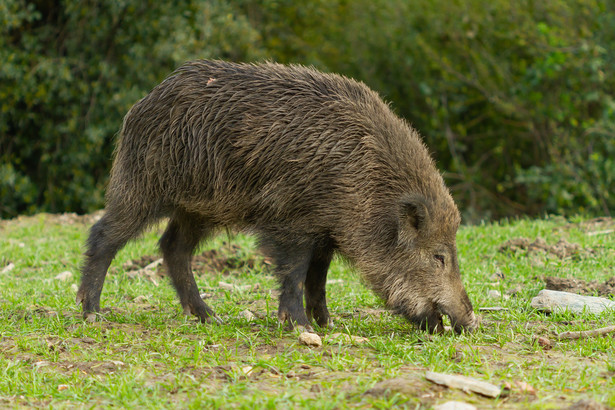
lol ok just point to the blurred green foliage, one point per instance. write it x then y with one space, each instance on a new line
515 99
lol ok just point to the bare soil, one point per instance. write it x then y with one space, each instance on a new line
562 249
226 260
581 286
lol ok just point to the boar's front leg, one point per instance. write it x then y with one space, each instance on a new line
178 242
315 285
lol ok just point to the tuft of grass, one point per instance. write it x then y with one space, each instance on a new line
145 353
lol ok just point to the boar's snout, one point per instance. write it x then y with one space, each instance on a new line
461 314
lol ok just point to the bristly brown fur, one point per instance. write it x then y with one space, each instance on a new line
311 162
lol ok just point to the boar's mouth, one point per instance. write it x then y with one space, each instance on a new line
431 320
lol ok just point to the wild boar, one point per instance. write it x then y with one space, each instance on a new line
311 163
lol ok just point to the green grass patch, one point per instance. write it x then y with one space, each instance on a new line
145 353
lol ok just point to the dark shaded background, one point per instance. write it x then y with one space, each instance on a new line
514 99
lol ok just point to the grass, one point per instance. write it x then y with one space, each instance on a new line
145 353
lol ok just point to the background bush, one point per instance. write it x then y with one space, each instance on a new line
515 99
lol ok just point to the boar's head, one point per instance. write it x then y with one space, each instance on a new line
423 281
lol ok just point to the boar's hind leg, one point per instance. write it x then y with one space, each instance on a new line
292 261
107 237
315 281
178 242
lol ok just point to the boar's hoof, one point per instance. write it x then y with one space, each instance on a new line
320 315
294 321
203 312
90 317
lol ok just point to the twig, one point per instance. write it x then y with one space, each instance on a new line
493 309
586 333
608 231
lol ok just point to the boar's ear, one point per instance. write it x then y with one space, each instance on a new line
414 211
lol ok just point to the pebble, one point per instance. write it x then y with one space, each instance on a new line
342 337
454 405
493 294
64 276
8 268
247 315
543 342
310 339
140 299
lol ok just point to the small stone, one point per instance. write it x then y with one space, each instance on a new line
454 405
310 339
514 291
543 342
226 286
556 301
74 287
8 268
315 388
494 294
232 287
342 337
64 276
247 315
63 387
140 299
525 387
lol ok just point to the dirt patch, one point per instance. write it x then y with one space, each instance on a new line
581 286
410 385
562 249
594 226
227 259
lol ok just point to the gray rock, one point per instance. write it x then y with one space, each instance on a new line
454 405
556 301
467 384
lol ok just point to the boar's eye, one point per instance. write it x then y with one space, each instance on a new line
440 259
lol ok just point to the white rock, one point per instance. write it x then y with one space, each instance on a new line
8 268
247 315
493 294
310 339
556 301
74 287
64 276
454 405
